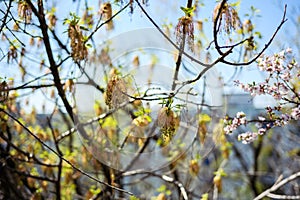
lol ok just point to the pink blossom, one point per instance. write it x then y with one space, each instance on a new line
247 137
261 118
261 131
282 73
295 114
289 50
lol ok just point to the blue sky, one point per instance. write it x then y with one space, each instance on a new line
168 11
270 11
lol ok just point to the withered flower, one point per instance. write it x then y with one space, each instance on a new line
116 91
106 11
185 28
24 11
228 19
79 49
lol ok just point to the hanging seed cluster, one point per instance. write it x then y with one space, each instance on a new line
185 28
12 53
116 92
248 26
79 49
52 20
228 19
106 12
24 11
88 18
3 91
168 123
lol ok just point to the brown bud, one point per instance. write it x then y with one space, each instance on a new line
194 167
106 11
3 91
31 41
248 26
161 196
136 61
137 103
200 25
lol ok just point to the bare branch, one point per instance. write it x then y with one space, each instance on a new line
277 185
61 157
283 20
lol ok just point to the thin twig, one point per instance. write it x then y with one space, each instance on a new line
163 177
61 157
5 15
277 185
283 20
279 196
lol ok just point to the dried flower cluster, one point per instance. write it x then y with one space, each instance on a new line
142 120
16 26
69 85
194 167
168 123
249 49
12 53
52 20
248 26
228 18
116 91
200 25
3 91
88 18
79 49
185 28
282 83
106 11
24 11
250 43
104 57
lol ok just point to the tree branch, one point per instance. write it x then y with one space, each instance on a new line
277 185
61 157
53 67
